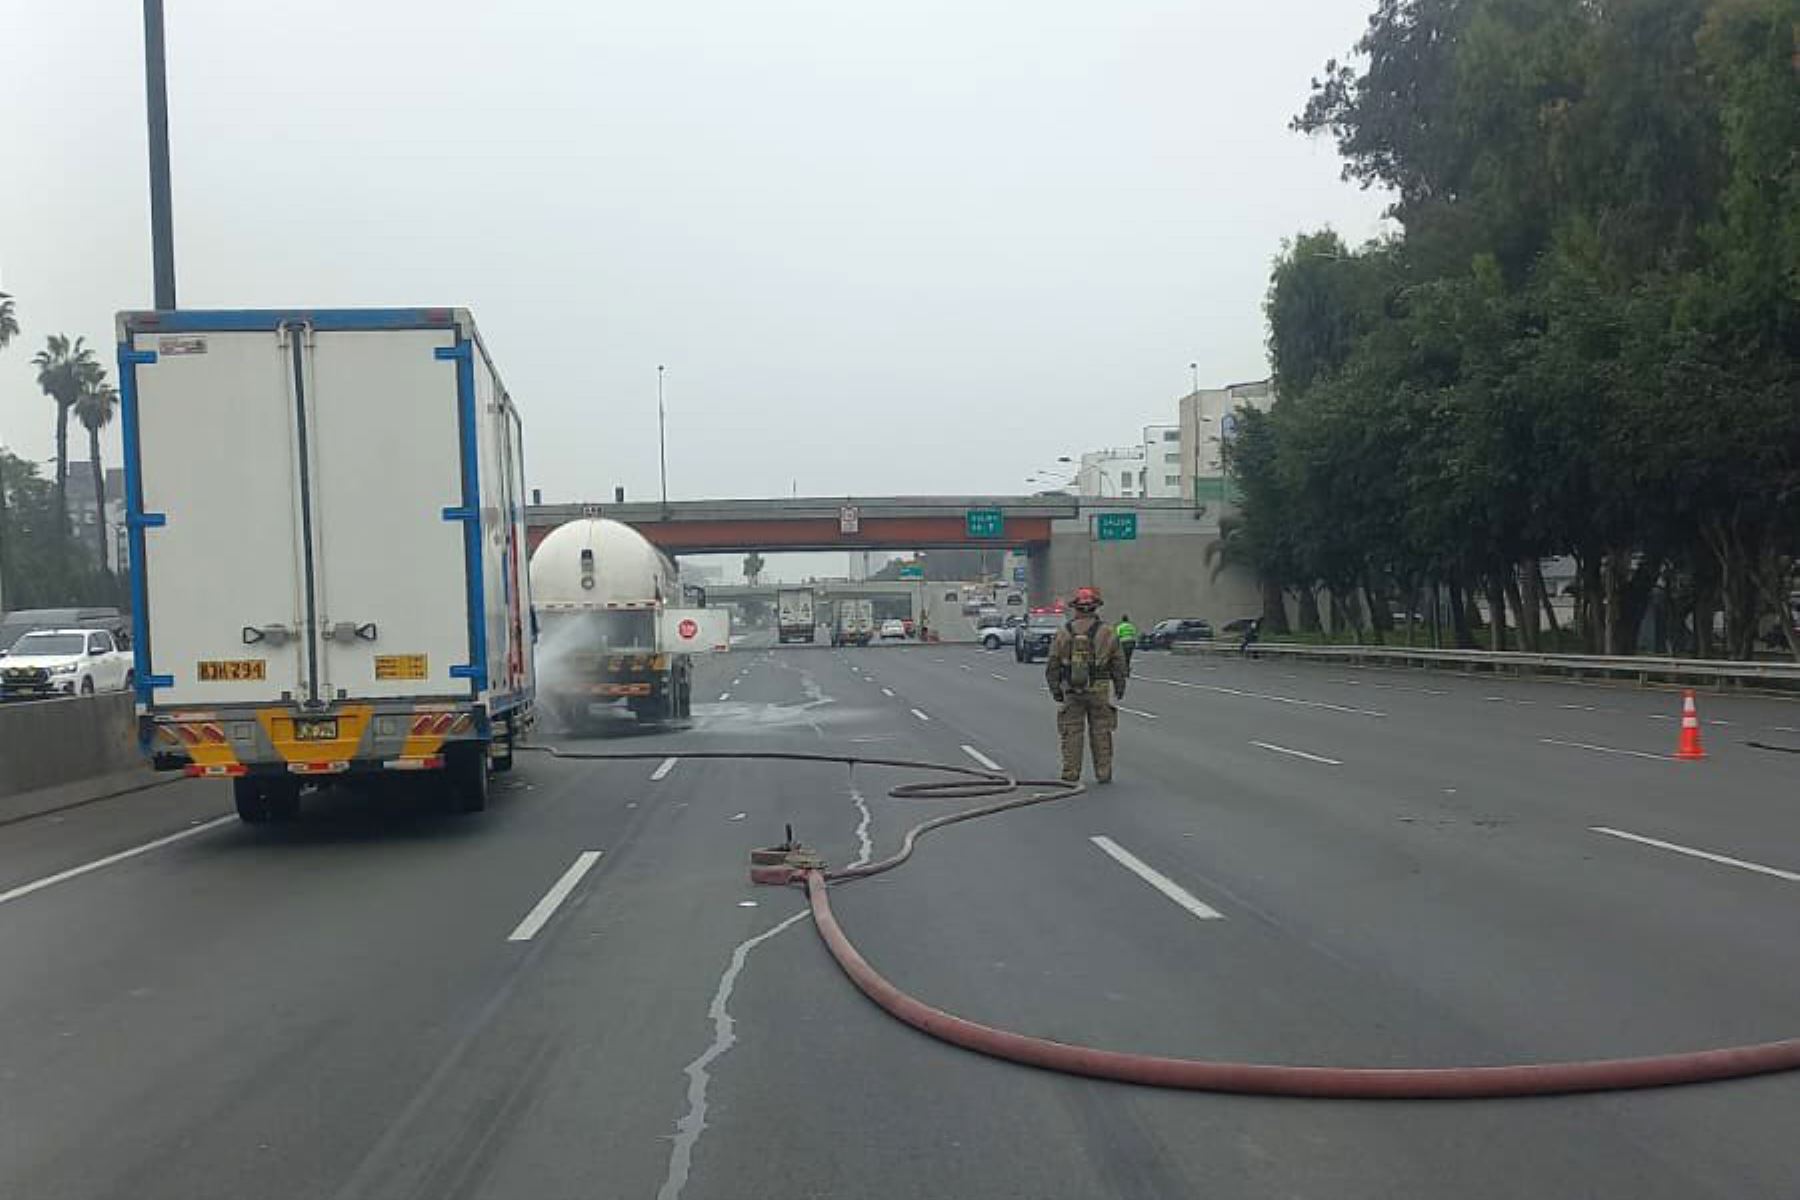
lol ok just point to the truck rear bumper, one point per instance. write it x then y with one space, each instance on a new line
346 739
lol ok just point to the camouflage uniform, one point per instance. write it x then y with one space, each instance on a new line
1092 707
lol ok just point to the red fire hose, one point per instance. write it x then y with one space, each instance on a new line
1263 1079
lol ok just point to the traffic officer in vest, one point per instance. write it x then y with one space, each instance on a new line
1086 673
1126 632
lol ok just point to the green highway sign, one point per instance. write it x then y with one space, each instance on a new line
985 523
1116 527
912 570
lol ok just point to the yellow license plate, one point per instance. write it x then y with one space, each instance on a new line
400 666
316 731
228 670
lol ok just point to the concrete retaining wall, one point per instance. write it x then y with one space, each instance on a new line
51 749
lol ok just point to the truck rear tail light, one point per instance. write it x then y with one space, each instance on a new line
431 723
214 770
336 767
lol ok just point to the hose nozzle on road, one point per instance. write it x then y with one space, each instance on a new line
784 864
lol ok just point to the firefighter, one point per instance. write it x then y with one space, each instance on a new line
1086 673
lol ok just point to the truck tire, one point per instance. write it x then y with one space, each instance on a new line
466 777
252 801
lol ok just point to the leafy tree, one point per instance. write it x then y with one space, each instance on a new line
65 370
753 567
9 321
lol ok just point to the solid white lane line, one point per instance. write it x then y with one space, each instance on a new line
1157 879
559 891
1605 749
981 758
1138 712
1318 758
997 675
724 695
920 715
887 691
1777 872
1208 687
663 768
38 885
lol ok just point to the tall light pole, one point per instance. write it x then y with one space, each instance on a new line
1194 374
156 110
662 439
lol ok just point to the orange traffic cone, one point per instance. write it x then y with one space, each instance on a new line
1690 729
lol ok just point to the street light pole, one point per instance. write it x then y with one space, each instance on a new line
662 441
1194 373
156 110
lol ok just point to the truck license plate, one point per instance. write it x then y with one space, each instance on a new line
232 669
316 731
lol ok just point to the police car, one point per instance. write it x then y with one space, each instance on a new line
1036 634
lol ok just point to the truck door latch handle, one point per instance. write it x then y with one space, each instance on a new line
275 635
347 631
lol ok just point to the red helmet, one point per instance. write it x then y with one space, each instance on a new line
1086 599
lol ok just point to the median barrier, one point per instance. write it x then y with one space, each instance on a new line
54 753
1642 669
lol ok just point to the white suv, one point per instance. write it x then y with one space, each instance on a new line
64 662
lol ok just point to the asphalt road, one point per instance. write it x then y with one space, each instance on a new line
1362 868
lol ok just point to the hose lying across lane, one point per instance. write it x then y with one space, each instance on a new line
1265 1079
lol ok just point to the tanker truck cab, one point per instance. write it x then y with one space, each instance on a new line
325 514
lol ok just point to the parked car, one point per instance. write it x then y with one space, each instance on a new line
1163 634
1034 637
892 628
64 662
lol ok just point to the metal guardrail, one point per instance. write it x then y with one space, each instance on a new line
1645 669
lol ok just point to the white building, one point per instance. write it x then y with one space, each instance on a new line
1162 463
1208 420
1117 473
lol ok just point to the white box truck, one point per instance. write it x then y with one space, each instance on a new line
326 517
794 615
855 622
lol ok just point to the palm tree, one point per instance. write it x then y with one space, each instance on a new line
9 321
94 408
66 369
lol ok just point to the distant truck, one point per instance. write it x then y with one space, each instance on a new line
326 515
855 622
612 627
794 615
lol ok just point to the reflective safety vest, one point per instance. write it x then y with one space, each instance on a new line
1127 632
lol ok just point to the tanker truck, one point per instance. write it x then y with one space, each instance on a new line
611 628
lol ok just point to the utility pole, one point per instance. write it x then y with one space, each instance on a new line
662 440
156 108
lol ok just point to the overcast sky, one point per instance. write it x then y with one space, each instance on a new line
896 248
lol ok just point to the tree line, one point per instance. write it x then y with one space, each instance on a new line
43 562
1580 340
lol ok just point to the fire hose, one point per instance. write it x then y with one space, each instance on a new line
792 863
